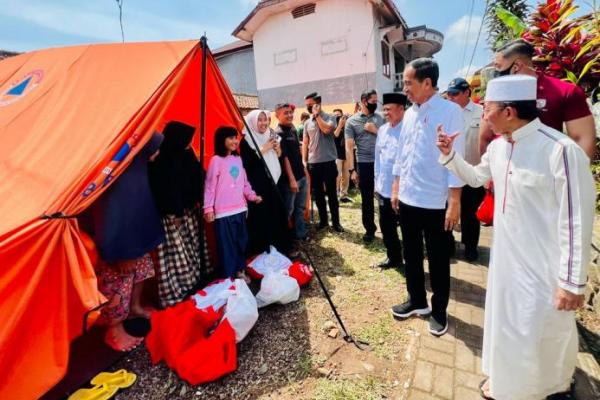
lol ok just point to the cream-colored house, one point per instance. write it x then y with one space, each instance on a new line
339 48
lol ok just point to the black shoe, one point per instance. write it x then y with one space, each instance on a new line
471 255
387 264
322 226
346 199
368 237
437 327
406 310
338 228
561 396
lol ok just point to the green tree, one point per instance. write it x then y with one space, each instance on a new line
498 32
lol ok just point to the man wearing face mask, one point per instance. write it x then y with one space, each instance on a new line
361 129
558 102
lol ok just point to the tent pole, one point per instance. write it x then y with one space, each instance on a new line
202 234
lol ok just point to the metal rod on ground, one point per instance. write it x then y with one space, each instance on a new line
361 345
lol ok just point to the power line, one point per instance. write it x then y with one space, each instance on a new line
485 12
467 32
120 5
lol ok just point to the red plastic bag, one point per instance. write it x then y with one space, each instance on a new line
301 273
485 212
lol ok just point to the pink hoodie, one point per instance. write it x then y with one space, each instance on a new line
227 187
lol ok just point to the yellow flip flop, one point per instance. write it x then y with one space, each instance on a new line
100 392
120 379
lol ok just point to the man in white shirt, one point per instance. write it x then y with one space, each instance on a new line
421 190
544 211
386 150
459 92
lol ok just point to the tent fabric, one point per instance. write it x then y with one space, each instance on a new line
71 119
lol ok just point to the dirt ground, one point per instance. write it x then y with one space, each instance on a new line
290 355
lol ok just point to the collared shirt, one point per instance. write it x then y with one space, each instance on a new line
364 140
321 147
423 181
472 114
386 150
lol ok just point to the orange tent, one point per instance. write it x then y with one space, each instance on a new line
71 119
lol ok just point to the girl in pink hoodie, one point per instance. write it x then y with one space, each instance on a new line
225 194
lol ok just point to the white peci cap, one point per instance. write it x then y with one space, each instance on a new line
512 88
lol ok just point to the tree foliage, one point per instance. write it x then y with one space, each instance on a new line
498 32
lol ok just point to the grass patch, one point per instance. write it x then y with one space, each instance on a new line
364 389
383 336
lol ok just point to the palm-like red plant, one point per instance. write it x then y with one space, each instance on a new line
565 48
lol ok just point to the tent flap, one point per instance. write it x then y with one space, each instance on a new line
71 119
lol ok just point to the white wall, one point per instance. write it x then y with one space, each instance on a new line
344 29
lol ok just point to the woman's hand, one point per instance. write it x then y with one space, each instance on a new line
257 200
277 148
209 217
270 145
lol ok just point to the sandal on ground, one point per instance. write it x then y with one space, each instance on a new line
481 391
102 392
120 379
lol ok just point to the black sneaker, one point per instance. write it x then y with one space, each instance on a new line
322 226
338 228
346 199
406 310
387 264
561 396
471 255
368 238
436 327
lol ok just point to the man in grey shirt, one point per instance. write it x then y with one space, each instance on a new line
361 130
319 155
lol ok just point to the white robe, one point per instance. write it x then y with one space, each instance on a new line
543 217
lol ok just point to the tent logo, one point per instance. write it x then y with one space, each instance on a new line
21 87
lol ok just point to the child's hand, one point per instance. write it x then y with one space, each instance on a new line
209 217
257 200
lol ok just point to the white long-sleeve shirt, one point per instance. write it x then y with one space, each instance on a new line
543 214
423 182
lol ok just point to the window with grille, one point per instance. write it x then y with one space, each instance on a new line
385 58
303 10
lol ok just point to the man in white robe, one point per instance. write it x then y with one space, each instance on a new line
544 211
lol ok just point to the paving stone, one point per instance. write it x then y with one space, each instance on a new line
419 395
463 313
436 357
434 343
464 358
444 382
423 376
467 379
466 394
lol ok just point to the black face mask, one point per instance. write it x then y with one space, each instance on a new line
309 108
504 72
337 119
371 107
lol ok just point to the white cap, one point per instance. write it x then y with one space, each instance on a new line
512 88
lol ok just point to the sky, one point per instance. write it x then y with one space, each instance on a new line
35 24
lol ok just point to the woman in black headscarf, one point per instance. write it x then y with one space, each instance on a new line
176 180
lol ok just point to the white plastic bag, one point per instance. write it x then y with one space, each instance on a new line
215 295
277 287
270 262
241 310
